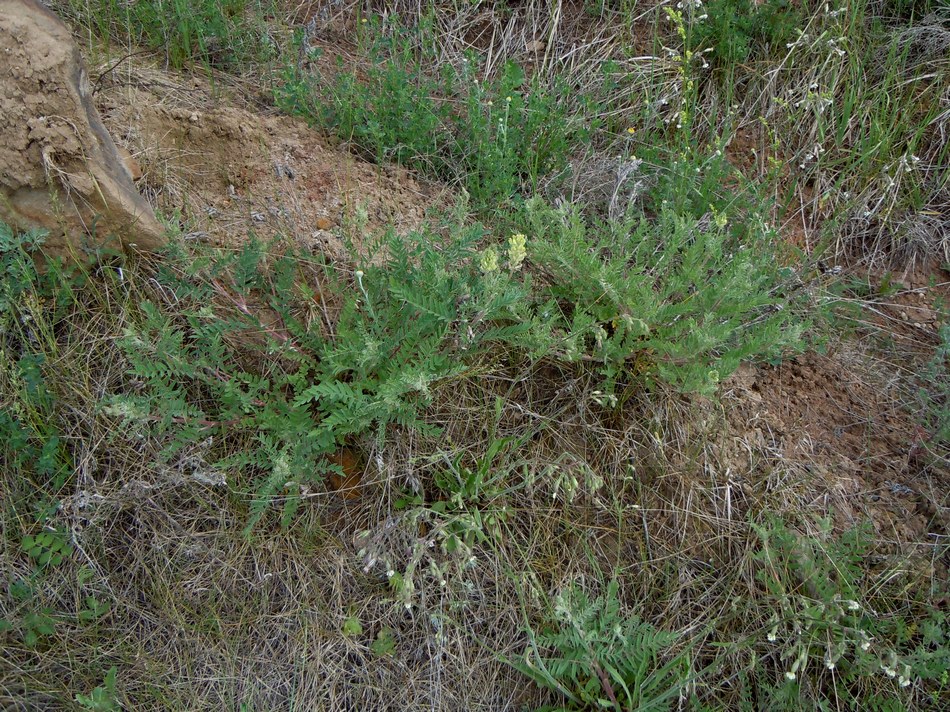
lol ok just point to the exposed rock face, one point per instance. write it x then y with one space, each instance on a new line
59 168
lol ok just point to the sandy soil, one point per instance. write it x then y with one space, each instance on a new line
224 170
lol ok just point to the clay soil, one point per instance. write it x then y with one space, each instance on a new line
222 169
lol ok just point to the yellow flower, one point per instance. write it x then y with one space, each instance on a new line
489 261
631 130
720 220
517 251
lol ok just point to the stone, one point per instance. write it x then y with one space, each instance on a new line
60 170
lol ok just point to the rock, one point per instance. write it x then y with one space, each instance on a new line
59 168
923 315
131 165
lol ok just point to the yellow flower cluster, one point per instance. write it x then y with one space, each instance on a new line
489 261
517 251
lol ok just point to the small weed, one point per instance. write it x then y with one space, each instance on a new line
384 644
495 139
678 300
825 624
49 548
599 657
736 30
102 698
93 609
352 627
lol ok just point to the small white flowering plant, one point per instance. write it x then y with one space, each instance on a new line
821 624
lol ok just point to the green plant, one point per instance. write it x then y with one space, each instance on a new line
93 609
598 657
31 621
35 463
33 624
37 625
737 29
226 34
384 645
390 112
825 622
677 299
474 504
352 627
493 137
48 548
103 697
422 316
510 134
32 304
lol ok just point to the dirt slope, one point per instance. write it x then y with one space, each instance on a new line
226 170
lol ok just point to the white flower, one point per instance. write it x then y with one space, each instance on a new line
904 679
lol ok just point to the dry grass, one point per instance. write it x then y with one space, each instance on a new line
669 490
202 617
665 492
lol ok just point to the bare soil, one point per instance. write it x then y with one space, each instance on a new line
226 170
844 422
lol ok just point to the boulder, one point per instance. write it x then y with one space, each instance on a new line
59 167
